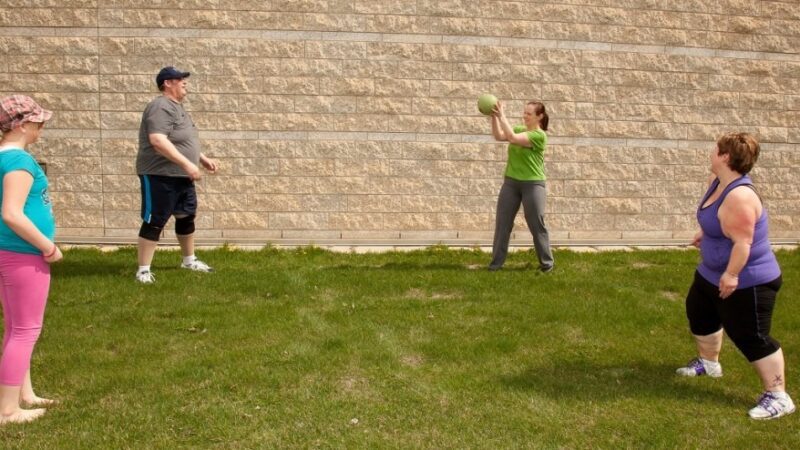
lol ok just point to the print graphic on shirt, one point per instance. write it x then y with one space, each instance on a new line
45 197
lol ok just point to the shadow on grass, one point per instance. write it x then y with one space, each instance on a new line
83 268
93 268
401 267
592 381
404 266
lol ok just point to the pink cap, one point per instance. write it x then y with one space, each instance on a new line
18 109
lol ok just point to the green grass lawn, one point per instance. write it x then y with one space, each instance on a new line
426 349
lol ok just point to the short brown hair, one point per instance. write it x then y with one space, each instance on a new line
742 148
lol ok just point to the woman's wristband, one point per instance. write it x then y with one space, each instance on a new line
53 252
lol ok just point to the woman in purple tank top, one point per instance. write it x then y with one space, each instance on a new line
738 278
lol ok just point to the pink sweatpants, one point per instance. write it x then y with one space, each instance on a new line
25 283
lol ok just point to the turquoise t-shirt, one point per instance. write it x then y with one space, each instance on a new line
524 163
37 206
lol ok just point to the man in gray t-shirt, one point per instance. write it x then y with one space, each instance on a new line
167 117
167 165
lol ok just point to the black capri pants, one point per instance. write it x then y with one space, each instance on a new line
746 315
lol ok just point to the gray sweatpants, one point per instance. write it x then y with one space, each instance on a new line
532 195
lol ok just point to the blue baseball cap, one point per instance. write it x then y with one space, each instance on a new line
169 73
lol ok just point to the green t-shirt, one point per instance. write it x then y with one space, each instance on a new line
527 164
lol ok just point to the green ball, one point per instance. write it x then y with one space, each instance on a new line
486 103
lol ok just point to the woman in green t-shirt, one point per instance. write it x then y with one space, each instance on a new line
524 182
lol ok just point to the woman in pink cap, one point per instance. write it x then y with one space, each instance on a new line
26 251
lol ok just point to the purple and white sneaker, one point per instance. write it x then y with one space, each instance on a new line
698 367
772 405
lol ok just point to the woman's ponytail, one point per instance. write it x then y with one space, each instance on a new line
540 109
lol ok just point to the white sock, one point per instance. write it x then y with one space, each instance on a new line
188 259
780 394
144 269
709 363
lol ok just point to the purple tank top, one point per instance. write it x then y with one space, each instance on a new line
715 247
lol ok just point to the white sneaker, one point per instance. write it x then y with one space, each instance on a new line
197 266
770 406
145 277
697 367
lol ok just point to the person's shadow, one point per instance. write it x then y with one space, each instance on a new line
587 380
70 268
415 266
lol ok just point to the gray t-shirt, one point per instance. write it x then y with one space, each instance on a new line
164 116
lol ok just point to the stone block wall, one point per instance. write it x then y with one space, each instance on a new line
356 120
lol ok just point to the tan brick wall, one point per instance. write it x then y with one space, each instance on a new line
356 119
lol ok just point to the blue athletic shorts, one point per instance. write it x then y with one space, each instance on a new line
163 197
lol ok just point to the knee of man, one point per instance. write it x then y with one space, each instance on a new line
150 232
184 225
